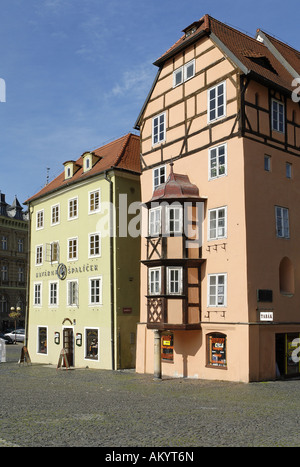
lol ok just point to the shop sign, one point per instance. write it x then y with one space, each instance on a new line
266 316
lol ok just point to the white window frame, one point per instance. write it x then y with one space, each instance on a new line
94 255
40 219
37 294
38 340
277 108
157 135
218 222
178 281
85 343
183 70
218 166
53 294
39 255
212 104
91 280
71 302
71 202
159 176
282 222
154 228
74 241
55 213
91 194
178 209
154 278
216 303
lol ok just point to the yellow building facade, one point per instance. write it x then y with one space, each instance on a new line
83 274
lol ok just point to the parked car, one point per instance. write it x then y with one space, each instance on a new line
8 340
18 335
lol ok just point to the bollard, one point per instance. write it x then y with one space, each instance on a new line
2 351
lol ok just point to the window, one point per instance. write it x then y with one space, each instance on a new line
39 255
218 161
53 293
20 245
96 291
216 345
40 219
267 163
72 249
94 201
216 102
73 208
55 214
72 291
94 245
154 221
217 284
37 298
54 251
154 281
159 128
42 340
174 278
277 116
91 344
282 222
159 176
4 273
184 73
4 242
217 221
21 275
288 170
174 219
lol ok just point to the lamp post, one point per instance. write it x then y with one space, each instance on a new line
15 314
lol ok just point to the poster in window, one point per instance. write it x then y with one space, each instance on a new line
217 350
167 347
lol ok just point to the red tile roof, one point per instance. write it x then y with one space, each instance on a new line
292 56
123 154
245 50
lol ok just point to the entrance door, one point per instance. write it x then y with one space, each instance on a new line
68 345
287 359
280 355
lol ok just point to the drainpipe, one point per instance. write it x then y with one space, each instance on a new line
28 277
111 269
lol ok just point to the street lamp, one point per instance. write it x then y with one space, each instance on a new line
15 314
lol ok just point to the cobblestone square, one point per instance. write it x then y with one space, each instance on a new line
45 407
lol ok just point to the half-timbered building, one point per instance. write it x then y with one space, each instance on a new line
220 147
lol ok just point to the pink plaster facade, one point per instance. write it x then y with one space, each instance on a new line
242 252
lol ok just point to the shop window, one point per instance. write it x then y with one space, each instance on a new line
286 277
167 347
42 340
216 346
92 341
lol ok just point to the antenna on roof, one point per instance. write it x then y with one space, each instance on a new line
47 178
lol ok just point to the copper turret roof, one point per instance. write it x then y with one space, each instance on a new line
177 187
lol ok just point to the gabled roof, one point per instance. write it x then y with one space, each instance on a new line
121 154
250 55
247 52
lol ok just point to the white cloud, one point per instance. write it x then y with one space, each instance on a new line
136 81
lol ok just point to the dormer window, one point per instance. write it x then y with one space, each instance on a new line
70 169
89 159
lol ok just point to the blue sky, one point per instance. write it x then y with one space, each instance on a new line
77 72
